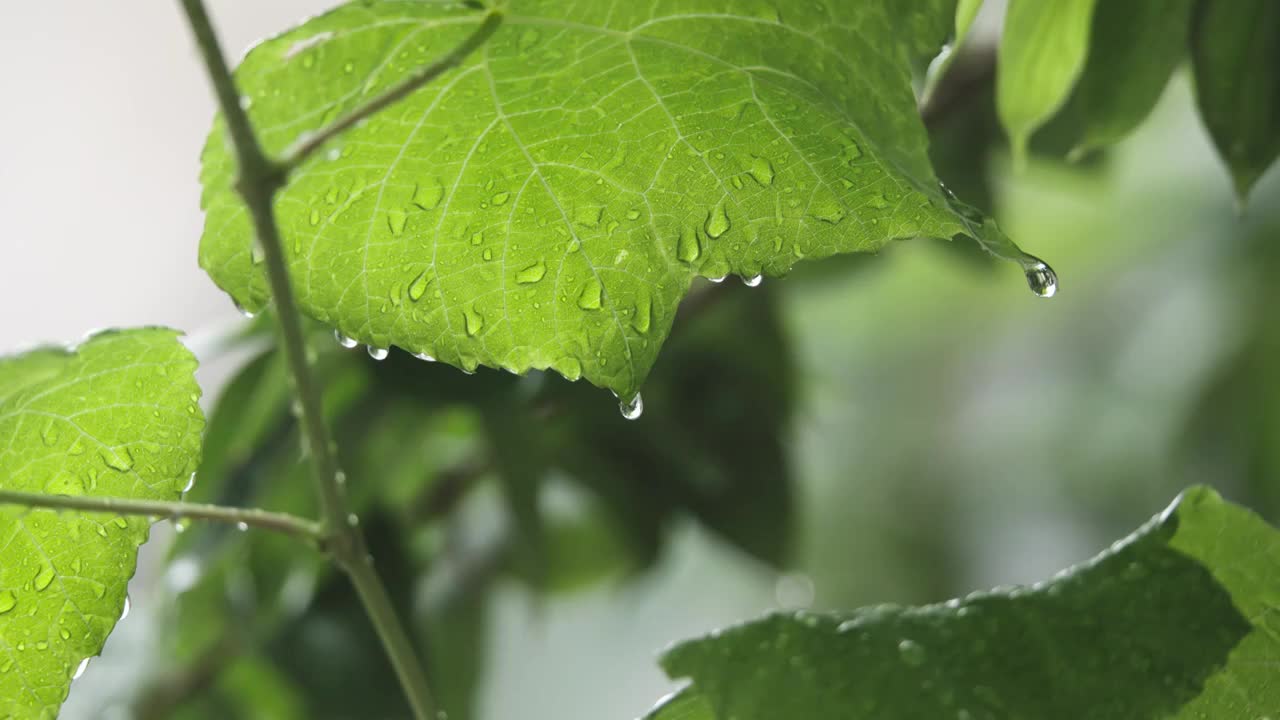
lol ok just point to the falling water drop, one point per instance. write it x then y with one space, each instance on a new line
343 340
1041 278
632 409
377 353
753 281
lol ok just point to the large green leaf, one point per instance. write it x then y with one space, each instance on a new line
1133 49
548 204
115 417
1235 48
1042 54
1178 620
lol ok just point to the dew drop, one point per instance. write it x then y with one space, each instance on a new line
911 652
761 170
718 221
473 320
753 281
377 353
632 409
588 216
644 315
343 340
118 459
487 254
397 220
532 274
1041 278
45 577
8 601
500 198
314 217
428 195
688 249
84 664
591 297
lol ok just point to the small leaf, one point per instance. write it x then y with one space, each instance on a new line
1134 48
1235 50
1175 621
115 417
1042 53
549 203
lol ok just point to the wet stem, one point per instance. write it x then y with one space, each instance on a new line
260 178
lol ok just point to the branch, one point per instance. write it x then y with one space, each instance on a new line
277 522
309 143
258 181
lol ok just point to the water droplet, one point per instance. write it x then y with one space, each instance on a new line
425 357
911 652
477 238
753 281
1041 278
84 664
191 481
377 353
632 409
427 195
343 340
45 577
644 315
353 520
761 170
500 198
588 216
717 280
242 526
473 320
487 254
633 214
244 312
688 250
256 256
125 612
418 288
50 434
571 368
397 220
118 459
718 221
314 217
591 297
8 601
121 523
532 274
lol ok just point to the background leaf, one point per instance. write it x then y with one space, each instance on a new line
549 204
1042 53
115 417
1235 49
1176 619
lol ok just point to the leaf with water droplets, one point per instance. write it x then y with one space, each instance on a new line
1175 621
559 180
115 417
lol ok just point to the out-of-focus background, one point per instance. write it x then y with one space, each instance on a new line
953 432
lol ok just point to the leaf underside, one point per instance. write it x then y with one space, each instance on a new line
1179 620
548 204
115 417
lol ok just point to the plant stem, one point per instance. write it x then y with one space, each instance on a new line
258 181
278 522
309 143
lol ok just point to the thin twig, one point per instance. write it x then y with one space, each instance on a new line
311 142
277 522
258 181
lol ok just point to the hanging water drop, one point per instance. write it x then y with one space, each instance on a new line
425 357
1041 278
377 353
343 340
717 280
80 670
125 612
244 312
191 481
632 409
753 281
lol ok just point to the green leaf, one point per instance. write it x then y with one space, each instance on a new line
548 204
1235 49
1178 620
1134 48
115 417
1042 53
